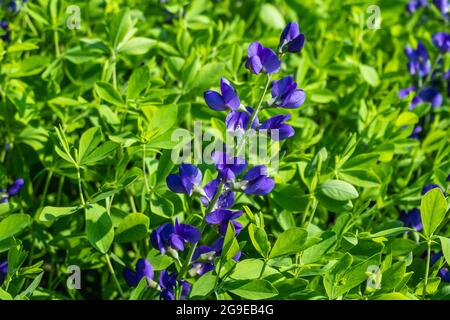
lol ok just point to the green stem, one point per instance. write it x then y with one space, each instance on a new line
113 273
254 115
427 269
210 207
47 185
80 188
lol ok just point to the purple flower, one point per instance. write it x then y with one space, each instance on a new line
277 128
256 181
291 39
443 7
403 93
3 271
229 167
220 102
441 40
225 200
238 120
203 258
418 60
414 5
415 133
12 190
189 178
261 58
169 284
143 269
7 32
221 217
429 187
412 219
429 95
172 237
15 188
286 95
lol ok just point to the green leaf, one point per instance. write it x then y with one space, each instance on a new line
230 245
369 75
137 46
53 213
107 92
136 294
247 269
138 82
161 206
259 239
392 296
14 224
89 142
315 252
433 208
255 290
99 228
445 245
133 227
100 153
272 17
289 242
291 198
338 190
393 276
203 286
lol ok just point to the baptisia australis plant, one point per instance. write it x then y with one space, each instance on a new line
429 76
217 197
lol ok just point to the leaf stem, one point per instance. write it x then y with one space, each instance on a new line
427 269
113 273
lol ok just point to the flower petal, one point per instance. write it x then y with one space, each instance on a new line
214 100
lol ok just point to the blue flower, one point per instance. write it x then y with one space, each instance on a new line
429 187
414 5
443 7
261 58
203 258
225 200
7 32
169 237
221 217
169 283
291 39
3 271
429 95
277 128
418 60
412 219
238 120
12 190
403 93
228 98
441 40
415 133
189 178
256 181
143 269
286 95
229 167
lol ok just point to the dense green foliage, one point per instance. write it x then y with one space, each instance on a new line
87 115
